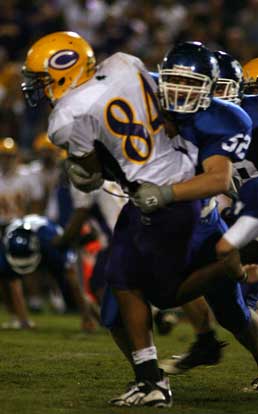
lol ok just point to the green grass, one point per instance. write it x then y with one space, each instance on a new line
58 370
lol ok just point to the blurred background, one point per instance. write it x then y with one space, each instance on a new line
145 28
28 161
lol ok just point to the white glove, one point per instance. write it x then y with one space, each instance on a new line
82 179
150 197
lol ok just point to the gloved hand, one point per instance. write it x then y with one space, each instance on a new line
150 197
81 179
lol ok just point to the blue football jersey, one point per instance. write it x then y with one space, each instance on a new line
250 104
222 129
248 168
248 195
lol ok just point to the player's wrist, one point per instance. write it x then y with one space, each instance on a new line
167 193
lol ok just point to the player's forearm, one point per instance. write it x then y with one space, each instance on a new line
201 186
224 247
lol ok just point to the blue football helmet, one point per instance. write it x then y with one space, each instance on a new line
187 77
229 86
22 247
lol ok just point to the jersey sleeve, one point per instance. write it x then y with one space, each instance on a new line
226 131
74 134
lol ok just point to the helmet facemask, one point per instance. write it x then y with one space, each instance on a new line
251 87
22 249
55 64
34 86
24 265
228 90
184 91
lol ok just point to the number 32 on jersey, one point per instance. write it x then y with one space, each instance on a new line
238 144
121 120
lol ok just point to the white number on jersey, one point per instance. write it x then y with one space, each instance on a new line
238 144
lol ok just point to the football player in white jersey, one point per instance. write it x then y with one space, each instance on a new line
110 113
113 105
18 193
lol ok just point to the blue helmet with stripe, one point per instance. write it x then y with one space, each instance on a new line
187 77
229 85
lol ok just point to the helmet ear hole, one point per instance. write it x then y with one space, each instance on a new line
61 81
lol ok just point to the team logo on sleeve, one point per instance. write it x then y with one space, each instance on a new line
63 59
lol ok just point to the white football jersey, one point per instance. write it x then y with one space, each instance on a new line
17 190
47 181
118 107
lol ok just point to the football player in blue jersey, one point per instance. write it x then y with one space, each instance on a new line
206 349
229 87
27 248
209 135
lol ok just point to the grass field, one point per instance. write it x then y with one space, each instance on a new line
58 370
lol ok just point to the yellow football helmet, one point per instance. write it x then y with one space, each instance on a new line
250 72
8 146
55 64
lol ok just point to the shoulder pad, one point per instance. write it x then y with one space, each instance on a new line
223 118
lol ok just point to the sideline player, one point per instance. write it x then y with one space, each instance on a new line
27 249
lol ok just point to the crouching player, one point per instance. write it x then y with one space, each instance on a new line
27 248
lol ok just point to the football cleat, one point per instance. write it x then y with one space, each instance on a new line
16 325
145 393
253 387
208 353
